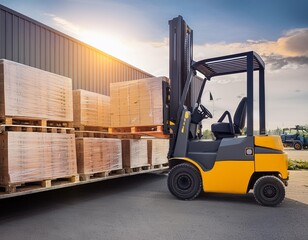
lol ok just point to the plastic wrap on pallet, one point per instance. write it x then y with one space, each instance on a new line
30 92
158 151
137 102
134 153
35 156
91 109
98 155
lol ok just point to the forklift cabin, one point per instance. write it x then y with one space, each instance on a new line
232 163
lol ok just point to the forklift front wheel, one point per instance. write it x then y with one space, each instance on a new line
184 181
269 191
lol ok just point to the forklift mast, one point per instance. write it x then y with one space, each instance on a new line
180 59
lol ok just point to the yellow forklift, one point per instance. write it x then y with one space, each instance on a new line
232 163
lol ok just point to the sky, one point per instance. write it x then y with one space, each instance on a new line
137 32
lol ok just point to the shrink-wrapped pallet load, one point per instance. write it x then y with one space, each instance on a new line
119 103
98 155
91 109
158 151
33 93
137 102
35 156
134 153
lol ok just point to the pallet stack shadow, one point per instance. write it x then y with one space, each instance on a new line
37 143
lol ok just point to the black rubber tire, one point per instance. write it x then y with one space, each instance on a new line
269 191
184 181
297 146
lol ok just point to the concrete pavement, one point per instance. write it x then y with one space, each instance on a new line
298 183
298 186
297 154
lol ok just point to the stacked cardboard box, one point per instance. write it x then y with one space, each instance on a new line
35 156
158 151
134 153
91 109
30 92
98 155
137 102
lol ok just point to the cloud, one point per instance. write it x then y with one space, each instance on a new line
286 67
64 25
161 44
129 49
288 51
286 61
294 43
278 62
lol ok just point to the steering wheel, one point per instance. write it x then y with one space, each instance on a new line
205 113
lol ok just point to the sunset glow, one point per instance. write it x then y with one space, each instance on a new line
138 32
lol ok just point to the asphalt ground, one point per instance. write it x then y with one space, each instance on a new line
141 207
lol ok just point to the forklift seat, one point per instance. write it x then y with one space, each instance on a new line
231 129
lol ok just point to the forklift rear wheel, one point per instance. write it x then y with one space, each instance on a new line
298 146
269 191
184 181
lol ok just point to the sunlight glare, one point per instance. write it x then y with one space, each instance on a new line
109 44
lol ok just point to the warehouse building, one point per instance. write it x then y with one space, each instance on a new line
32 43
27 41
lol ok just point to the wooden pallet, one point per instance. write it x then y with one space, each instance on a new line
116 172
134 132
7 120
137 169
28 128
46 183
136 129
97 134
159 165
151 130
89 176
91 128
